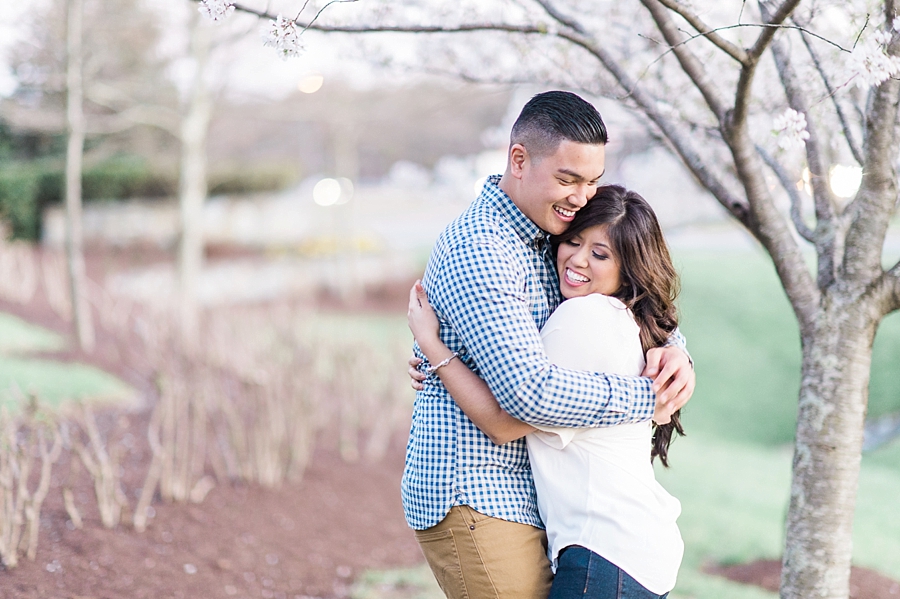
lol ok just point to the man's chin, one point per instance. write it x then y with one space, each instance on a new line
556 226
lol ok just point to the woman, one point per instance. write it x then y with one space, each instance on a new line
610 526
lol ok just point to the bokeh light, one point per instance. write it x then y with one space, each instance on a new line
845 180
311 83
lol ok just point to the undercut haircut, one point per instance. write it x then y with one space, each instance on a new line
551 117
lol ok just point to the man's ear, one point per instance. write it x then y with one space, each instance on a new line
518 156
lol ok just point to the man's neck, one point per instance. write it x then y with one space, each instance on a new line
508 186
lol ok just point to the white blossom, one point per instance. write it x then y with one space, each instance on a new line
282 35
790 129
870 64
896 23
216 9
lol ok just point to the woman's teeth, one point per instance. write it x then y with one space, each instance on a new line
575 277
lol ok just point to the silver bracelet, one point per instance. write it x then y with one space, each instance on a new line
429 370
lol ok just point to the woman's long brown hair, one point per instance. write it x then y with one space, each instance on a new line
649 281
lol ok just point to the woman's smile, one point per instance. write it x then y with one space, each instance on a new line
587 264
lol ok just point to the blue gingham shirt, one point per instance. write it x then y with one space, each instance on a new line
493 284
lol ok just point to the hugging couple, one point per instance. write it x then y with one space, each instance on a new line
550 371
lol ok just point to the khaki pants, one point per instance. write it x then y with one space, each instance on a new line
474 556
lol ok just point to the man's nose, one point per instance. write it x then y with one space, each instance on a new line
581 195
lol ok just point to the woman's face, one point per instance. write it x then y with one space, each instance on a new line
587 264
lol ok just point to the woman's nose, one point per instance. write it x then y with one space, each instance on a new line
579 258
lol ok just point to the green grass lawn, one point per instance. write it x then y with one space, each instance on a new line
16 335
732 471
53 382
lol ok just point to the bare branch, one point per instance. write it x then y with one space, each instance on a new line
692 66
732 50
893 277
680 142
129 112
765 26
561 18
462 28
816 159
151 116
876 199
321 10
791 188
855 149
765 37
745 81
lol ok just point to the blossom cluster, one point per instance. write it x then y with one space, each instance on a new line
790 129
216 9
870 63
282 35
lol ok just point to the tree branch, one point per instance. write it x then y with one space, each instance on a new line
678 140
823 198
765 37
134 113
796 97
561 18
748 71
769 225
855 149
692 66
732 50
893 277
461 28
876 199
791 188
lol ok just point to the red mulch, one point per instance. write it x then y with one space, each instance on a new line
304 540
309 539
864 583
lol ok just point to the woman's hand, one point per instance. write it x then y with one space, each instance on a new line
422 320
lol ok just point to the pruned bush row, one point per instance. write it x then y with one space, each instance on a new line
246 407
27 188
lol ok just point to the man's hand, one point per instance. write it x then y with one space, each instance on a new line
673 380
415 376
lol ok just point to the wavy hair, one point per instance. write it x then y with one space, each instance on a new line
649 281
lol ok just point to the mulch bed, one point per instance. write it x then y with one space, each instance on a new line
304 540
864 583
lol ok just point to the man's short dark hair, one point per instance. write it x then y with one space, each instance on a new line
551 117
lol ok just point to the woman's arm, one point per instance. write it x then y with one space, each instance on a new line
470 392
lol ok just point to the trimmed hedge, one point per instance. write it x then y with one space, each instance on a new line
26 188
19 190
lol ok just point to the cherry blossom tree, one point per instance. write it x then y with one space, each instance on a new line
750 97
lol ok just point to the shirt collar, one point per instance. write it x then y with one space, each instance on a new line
529 232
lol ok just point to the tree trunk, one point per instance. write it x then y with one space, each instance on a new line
84 328
837 357
192 186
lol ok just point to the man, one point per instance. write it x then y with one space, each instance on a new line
493 284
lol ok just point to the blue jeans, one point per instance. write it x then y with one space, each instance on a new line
583 573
